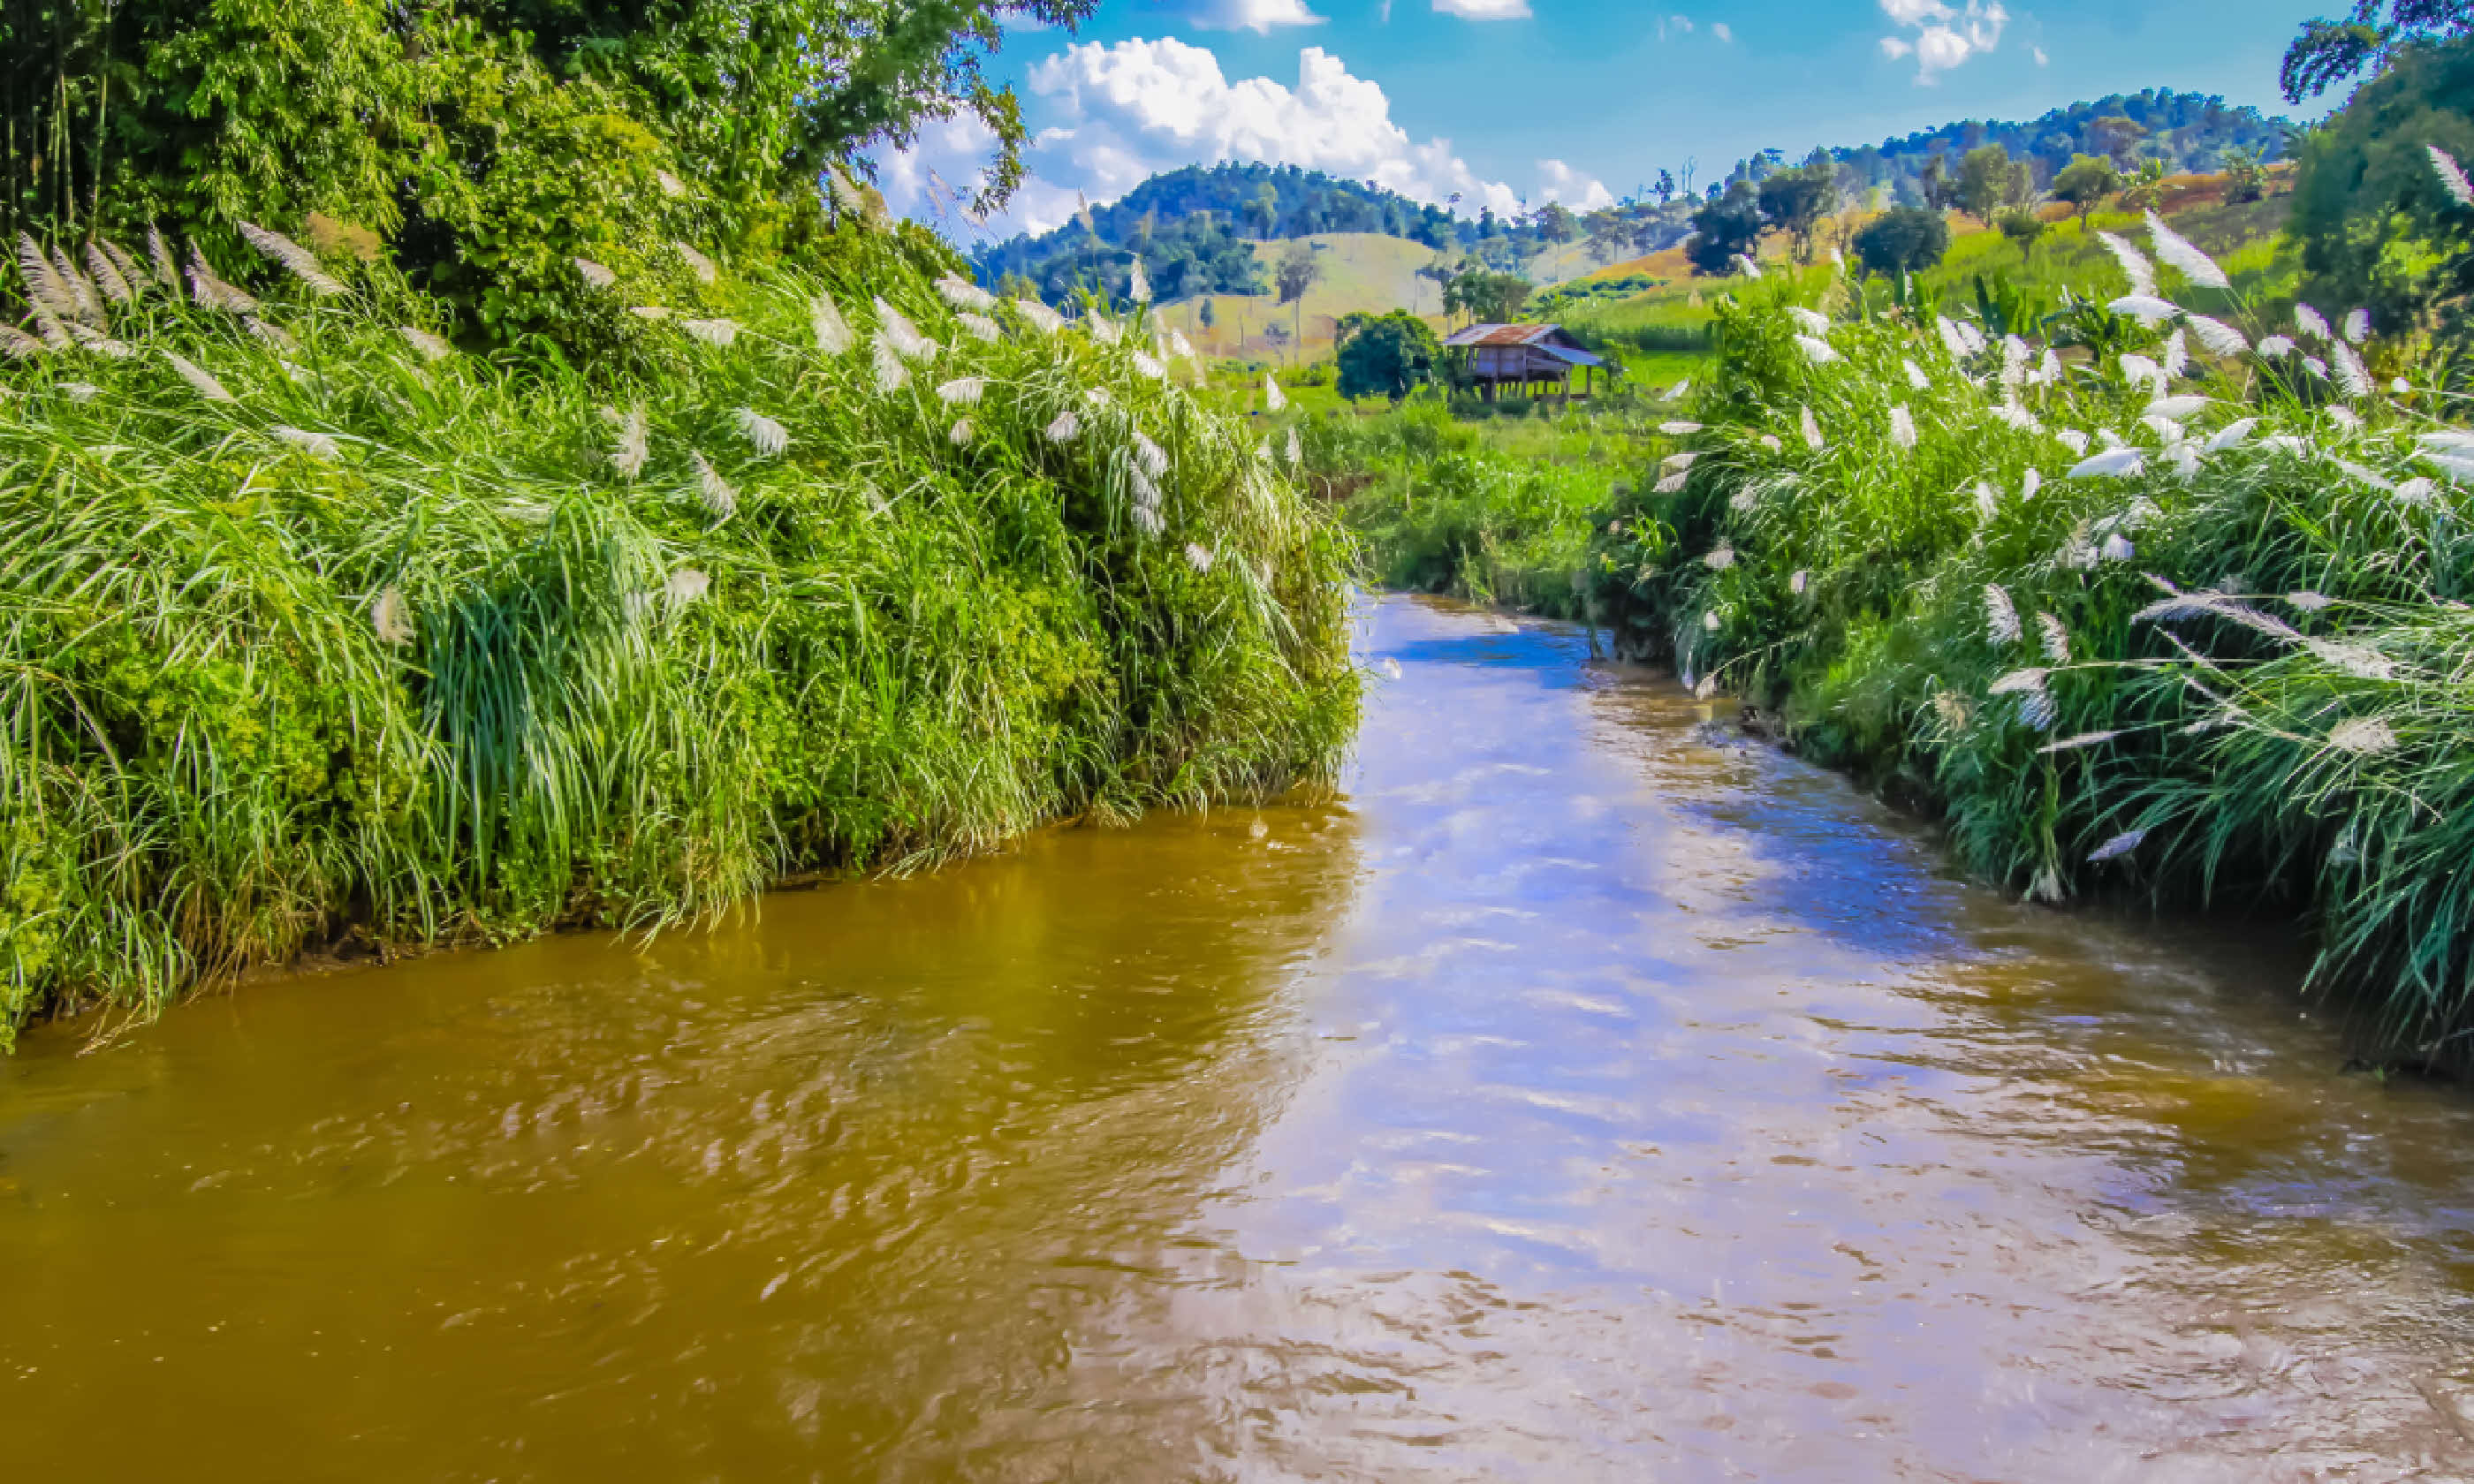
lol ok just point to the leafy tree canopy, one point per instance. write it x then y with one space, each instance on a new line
486 143
1726 226
1488 298
2085 182
2328 52
1388 355
1902 240
2377 226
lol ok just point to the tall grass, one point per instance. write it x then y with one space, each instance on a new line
319 626
2135 615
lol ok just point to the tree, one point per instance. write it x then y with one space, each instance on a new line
1556 222
2245 176
2117 137
1796 200
1664 188
1296 274
1206 314
2146 187
488 144
1940 191
2328 52
1727 226
1488 297
1390 355
1902 240
1263 212
2021 225
2377 226
1986 179
2085 182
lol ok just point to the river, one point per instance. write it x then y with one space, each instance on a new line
1590 1094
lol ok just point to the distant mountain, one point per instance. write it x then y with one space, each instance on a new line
1191 227
2188 131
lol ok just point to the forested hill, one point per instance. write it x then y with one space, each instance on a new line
1191 226
2187 132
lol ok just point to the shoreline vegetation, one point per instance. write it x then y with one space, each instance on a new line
325 629
2159 588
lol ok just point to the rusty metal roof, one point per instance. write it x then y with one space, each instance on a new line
1502 334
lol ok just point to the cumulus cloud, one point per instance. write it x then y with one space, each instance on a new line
1484 10
2039 52
1944 37
1719 29
1255 16
1560 183
1112 115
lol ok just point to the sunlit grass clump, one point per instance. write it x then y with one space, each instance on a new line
317 624
2144 596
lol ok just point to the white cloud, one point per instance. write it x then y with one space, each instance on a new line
1560 182
1255 16
2039 52
1117 114
1484 10
1944 37
1719 30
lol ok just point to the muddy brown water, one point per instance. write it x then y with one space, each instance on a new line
1589 1095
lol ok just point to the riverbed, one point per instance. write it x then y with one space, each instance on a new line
1586 1095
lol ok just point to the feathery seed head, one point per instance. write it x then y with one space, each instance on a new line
960 434
2310 321
2178 251
594 274
295 259
979 327
717 495
720 334
2452 177
963 389
892 376
1817 351
697 263
1063 429
2361 734
1903 426
2000 617
196 376
766 435
2122 844
962 293
1273 399
634 442
318 445
390 616
2141 273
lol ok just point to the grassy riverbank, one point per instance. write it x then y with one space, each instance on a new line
2231 661
321 626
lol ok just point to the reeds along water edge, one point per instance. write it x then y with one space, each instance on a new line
358 630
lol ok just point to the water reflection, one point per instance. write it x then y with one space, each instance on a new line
1593 1095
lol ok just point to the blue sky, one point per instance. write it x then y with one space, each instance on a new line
1507 101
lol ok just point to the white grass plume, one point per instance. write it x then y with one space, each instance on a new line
1198 556
635 441
2357 327
766 435
295 259
980 326
159 254
2361 734
2310 321
2177 354
1903 426
697 263
687 584
2113 461
108 276
720 334
716 492
2231 435
1678 428
962 391
1064 428
2180 253
825 321
1138 287
671 185
2120 845
2216 335
207 287
1038 316
131 271
1917 380
19 345
270 333
45 288
962 293
430 346
318 445
1273 399
1296 451
960 434
1815 323
2135 265
2146 308
1812 429
1817 351
594 274
892 376
89 299
198 377
2452 177
390 617
895 330
2353 377
2000 617
1149 366
1720 557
